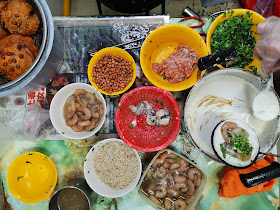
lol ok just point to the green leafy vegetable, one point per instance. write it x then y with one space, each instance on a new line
223 150
131 126
62 132
20 177
161 104
177 159
254 69
118 107
241 143
235 32
156 101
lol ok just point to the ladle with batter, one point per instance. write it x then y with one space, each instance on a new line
266 105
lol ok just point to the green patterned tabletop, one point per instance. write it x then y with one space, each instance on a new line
69 155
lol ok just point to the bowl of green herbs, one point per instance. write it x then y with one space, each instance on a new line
236 28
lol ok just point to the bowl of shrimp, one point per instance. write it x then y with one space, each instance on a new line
77 111
171 181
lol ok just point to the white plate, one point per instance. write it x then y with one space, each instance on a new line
96 184
56 111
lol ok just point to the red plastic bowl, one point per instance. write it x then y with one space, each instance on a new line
143 137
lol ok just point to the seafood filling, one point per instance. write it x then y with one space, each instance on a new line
83 111
171 182
235 142
159 118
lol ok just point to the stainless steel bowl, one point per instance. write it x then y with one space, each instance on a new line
49 59
221 95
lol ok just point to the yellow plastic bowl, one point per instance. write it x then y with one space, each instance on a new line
32 177
160 44
114 51
257 18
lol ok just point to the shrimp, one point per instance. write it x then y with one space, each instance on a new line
183 166
167 155
101 110
172 192
224 130
197 181
149 173
194 172
94 114
191 189
72 121
174 166
82 101
69 113
167 204
178 186
155 200
162 172
157 162
72 106
190 199
84 123
166 165
85 110
180 179
76 128
79 92
90 97
180 204
92 125
160 191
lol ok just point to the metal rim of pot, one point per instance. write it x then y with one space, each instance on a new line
45 49
73 187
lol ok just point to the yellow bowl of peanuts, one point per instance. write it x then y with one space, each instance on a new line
112 71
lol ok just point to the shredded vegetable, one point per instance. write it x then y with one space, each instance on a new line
235 32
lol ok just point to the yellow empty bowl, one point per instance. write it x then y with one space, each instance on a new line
32 177
160 44
256 19
116 52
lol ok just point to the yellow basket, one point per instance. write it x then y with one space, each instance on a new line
116 52
160 44
256 19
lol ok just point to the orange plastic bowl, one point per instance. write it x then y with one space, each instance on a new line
141 136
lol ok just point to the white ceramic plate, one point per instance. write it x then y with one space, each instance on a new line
56 111
95 183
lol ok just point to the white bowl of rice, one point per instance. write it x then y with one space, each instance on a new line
111 168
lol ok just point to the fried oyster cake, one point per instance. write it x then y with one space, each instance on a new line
17 53
19 17
3 33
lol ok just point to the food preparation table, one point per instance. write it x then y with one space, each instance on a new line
78 36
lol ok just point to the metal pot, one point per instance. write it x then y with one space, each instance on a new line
48 61
223 95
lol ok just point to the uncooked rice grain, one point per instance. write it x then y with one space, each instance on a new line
115 164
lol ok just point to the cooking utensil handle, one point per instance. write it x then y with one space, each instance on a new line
220 57
262 175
